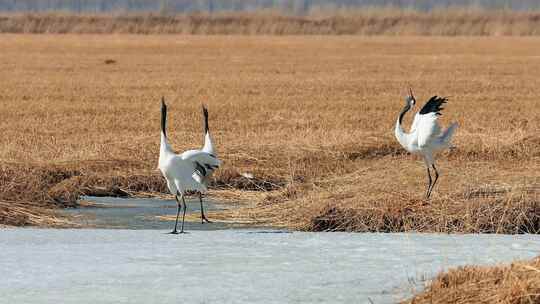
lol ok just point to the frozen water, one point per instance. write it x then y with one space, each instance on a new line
234 266
140 213
227 266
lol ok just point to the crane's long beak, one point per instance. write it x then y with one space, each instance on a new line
412 96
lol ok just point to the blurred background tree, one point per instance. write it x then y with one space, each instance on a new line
288 6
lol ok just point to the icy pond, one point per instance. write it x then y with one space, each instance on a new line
234 265
140 213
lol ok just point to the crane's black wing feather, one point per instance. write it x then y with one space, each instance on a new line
205 169
434 105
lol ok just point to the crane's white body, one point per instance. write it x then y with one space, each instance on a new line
187 171
179 170
425 136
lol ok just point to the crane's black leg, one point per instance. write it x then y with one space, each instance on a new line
428 192
184 215
177 214
436 178
203 217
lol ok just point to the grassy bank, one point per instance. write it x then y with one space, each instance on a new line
369 21
510 284
311 118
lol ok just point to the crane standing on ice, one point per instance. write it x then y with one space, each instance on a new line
203 173
425 137
184 172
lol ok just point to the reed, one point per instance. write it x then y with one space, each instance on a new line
365 22
517 283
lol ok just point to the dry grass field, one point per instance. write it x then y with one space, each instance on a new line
311 118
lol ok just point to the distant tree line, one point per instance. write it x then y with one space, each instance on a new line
290 6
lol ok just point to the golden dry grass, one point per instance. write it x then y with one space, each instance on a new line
367 21
311 117
30 214
518 283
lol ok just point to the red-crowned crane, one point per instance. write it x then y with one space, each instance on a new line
183 172
425 137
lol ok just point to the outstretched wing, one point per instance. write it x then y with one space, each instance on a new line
433 105
204 163
426 121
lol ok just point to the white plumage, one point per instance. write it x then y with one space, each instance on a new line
203 173
208 146
184 172
425 137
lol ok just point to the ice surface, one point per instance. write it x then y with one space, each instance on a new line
140 213
234 266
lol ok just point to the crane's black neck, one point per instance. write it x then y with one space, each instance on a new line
163 117
205 113
403 112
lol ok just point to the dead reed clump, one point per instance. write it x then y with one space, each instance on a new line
68 191
512 216
230 178
20 182
334 219
515 211
28 214
34 189
369 22
517 283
